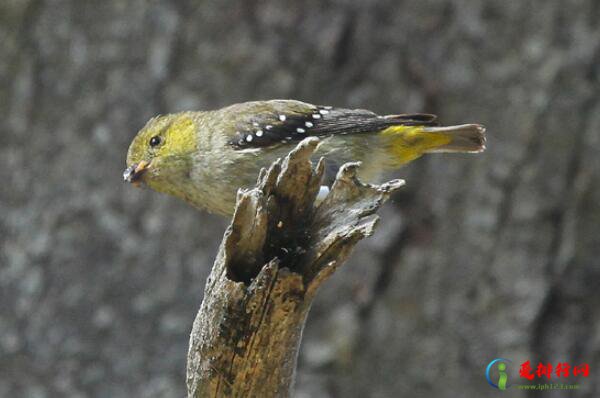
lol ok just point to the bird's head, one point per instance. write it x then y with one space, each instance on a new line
161 154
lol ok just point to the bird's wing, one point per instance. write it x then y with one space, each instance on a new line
270 123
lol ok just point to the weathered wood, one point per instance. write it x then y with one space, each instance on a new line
279 248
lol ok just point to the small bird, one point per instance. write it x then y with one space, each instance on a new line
204 157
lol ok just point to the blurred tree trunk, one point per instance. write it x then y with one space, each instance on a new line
476 258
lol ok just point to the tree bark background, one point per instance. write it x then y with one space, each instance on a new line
476 258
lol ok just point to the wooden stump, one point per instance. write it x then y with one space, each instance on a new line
280 247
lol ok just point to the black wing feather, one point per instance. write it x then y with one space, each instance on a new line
320 121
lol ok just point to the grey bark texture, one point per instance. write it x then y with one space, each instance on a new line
475 258
279 249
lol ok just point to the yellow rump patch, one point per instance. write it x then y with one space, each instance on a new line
407 143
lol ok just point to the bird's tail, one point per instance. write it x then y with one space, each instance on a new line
469 138
406 143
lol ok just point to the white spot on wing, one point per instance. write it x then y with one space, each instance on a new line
323 111
254 151
316 116
249 138
259 133
282 118
308 124
300 130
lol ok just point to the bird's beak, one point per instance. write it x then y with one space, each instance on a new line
134 172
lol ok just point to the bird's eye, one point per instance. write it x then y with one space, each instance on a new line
154 141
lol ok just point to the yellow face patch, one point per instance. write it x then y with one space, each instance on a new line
178 138
163 137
